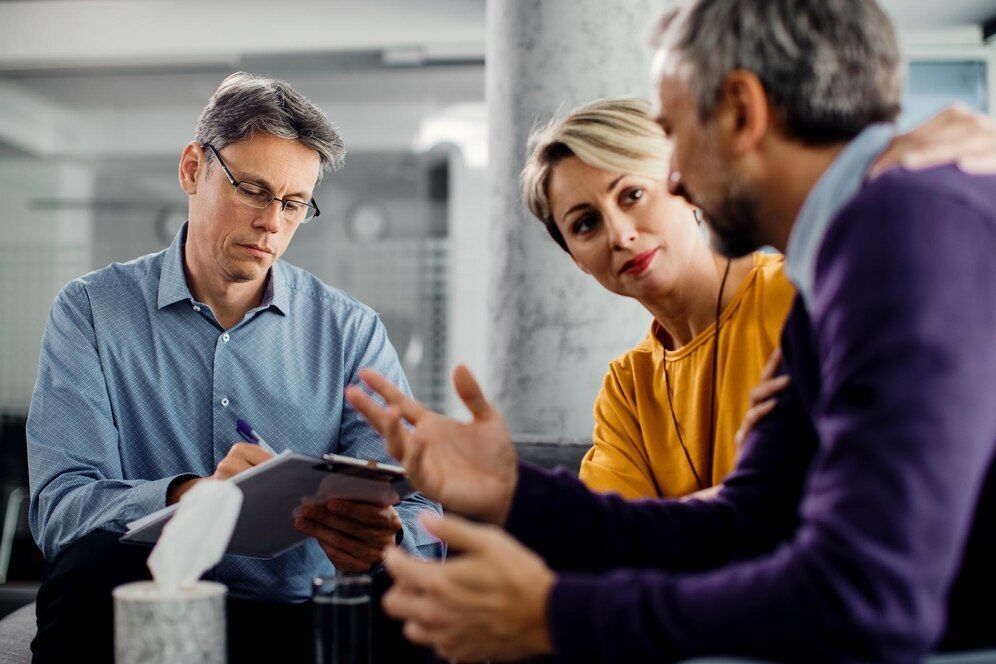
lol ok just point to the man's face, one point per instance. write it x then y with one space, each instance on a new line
701 170
230 240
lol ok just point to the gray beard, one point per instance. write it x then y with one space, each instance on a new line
732 243
734 232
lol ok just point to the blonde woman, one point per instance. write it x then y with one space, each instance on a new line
669 409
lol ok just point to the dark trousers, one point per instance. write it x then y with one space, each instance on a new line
75 612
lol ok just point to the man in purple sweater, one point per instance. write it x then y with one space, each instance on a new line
859 524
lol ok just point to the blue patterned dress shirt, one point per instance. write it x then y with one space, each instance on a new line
138 384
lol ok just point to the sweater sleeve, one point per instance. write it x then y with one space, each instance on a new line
906 419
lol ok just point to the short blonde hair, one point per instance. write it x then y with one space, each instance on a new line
616 134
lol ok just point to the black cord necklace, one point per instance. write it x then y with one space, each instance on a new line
712 394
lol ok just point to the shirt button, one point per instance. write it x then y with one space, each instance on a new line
225 336
224 401
196 308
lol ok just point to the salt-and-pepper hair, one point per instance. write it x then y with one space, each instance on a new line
617 134
829 67
246 104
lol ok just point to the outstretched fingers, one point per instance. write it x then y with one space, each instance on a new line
378 416
470 392
410 409
459 533
407 571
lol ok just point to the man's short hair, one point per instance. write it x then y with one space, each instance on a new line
830 67
245 104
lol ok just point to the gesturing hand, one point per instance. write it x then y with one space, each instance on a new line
468 467
490 603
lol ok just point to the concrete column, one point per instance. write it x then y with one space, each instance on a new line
553 328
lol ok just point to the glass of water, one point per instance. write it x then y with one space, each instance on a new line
342 619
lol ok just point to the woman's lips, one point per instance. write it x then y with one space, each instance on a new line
638 264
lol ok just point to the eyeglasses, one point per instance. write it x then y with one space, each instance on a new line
297 212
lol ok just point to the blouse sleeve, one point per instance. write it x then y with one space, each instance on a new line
617 461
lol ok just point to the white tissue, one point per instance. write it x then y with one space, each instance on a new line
196 537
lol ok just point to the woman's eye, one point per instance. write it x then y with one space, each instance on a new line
633 195
584 224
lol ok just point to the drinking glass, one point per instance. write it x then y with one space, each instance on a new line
342 619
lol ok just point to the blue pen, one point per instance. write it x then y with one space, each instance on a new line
246 431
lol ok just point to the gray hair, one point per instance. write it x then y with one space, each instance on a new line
829 67
245 104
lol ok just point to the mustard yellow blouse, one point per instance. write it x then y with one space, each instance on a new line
636 452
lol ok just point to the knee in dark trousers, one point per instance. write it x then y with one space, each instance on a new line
74 609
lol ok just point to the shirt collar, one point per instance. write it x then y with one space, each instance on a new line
835 188
173 281
277 293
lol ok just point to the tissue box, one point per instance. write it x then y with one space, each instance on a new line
158 627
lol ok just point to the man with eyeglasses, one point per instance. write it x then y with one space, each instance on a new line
146 366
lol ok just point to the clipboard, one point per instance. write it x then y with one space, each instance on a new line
273 489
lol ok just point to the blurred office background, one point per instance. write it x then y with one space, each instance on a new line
98 97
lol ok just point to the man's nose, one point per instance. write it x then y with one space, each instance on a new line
270 217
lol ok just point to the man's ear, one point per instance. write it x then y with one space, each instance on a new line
743 112
192 161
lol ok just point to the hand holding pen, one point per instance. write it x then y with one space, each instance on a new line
242 456
250 436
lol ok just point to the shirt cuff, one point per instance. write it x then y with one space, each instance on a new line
414 538
149 497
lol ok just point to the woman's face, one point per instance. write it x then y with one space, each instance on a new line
624 230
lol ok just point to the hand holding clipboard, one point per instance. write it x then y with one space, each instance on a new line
273 489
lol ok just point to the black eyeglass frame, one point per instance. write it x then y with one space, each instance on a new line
283 203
